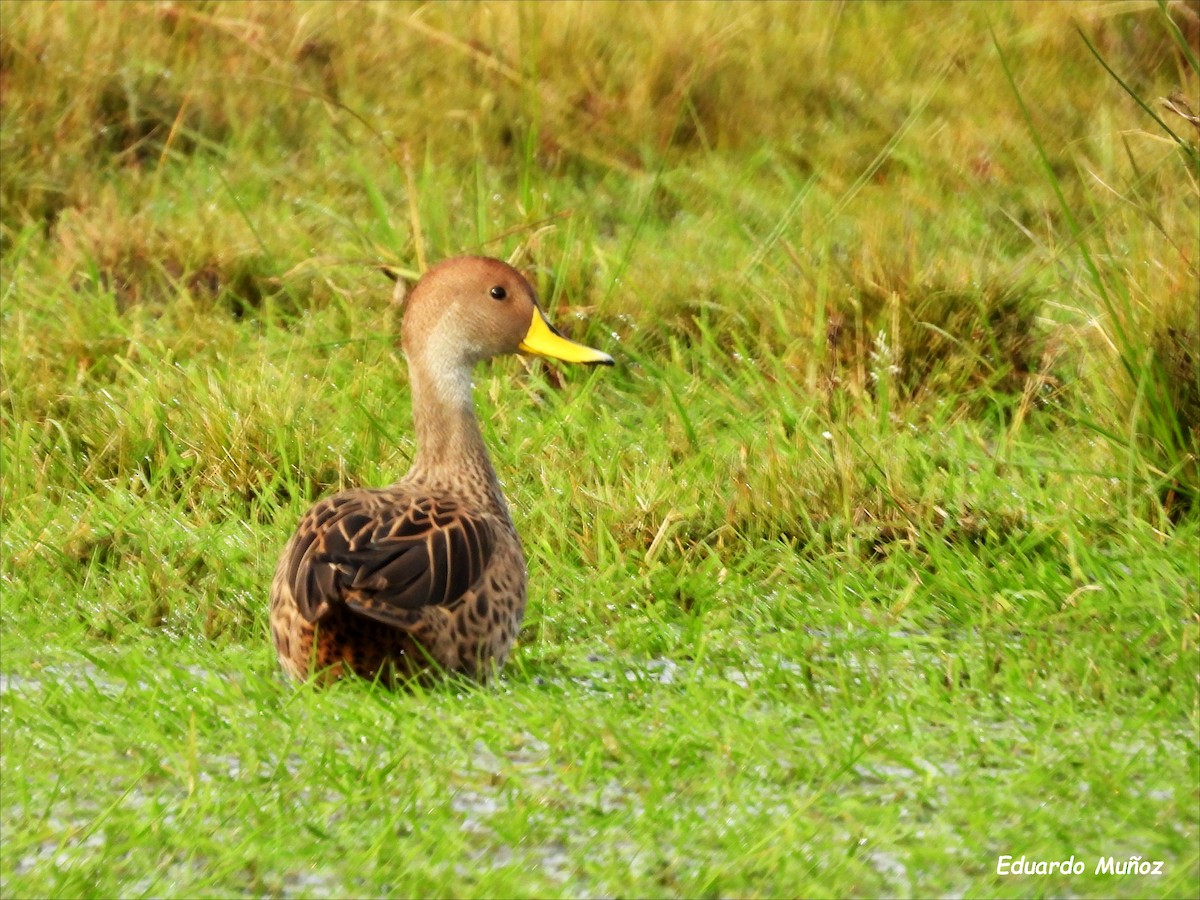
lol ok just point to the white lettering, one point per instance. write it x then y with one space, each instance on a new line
1070 866
1105 865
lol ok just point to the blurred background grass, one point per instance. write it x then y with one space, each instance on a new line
904 298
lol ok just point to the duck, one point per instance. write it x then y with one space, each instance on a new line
426 575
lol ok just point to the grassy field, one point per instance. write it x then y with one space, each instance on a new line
873 560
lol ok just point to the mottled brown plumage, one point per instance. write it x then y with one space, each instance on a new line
427 573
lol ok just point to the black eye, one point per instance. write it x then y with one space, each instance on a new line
498 293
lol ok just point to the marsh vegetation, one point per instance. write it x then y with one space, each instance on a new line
873 559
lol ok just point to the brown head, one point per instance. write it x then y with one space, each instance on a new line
471 308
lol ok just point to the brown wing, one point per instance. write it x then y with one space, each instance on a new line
386 555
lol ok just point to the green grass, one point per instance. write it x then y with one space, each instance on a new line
874 558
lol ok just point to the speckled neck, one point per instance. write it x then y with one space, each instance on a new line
451 454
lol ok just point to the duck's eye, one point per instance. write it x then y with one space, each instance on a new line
498 293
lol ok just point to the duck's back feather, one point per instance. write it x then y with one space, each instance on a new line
386 554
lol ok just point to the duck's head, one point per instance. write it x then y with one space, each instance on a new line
470 308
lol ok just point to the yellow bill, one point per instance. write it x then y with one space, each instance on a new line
543 339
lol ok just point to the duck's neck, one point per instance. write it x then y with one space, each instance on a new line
451 454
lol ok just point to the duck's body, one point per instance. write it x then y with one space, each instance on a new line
428 572
340 602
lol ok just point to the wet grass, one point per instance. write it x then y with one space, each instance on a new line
872 560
